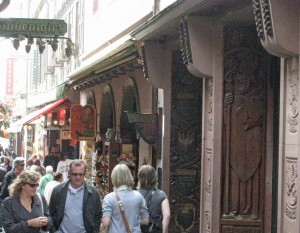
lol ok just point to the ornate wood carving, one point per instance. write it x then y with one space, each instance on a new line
144 62
291 189
231 229
146 125
208 173
185 44
184 214
267 17
293 93
186 135
258 19
207 221
263 18
244 131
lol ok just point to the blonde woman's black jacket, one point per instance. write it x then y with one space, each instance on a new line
92 209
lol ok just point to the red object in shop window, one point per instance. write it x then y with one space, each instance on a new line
83 122
49 118
62 116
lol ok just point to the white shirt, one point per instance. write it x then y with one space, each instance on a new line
49 188
63 167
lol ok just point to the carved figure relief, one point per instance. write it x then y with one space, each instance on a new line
244 126
247 111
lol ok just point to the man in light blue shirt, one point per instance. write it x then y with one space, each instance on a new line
75 206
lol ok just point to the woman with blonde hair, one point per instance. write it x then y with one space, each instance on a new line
133 202
24 211
156 199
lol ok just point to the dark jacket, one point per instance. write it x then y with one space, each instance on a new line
8 179
92 208
8 168
2 174
14 216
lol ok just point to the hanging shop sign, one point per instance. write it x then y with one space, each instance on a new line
12 27
83 122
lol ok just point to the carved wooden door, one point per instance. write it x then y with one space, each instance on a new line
185 162
246 88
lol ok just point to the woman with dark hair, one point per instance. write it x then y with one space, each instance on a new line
156 199
133 202
24 211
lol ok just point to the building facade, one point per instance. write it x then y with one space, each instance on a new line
216 86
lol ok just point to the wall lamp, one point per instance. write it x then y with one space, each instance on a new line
42 41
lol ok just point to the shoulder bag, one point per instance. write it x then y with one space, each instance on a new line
42 206
120 204
154 225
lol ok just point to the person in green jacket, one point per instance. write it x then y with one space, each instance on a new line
45 179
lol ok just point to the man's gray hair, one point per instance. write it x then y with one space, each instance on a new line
18 160
49 169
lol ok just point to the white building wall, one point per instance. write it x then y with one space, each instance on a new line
112 18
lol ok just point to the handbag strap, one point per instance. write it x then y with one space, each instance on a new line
149 197
120 204
42 204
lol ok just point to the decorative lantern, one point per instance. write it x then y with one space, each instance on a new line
62 116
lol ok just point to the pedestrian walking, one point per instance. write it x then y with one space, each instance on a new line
57 179
18 167
131 201
156 199
24 211
6 163
75 206
45 179
63 166
2 175
41 168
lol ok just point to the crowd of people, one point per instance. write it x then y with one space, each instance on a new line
37 199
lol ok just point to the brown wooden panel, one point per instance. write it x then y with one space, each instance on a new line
185 158
244 131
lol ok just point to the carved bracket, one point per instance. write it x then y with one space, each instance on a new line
151 53
196 40
277 24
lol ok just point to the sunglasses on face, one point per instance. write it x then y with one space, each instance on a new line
33 185
78 174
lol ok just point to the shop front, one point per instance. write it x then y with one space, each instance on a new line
47 131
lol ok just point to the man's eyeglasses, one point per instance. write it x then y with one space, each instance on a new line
33 185
78 174
22 164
